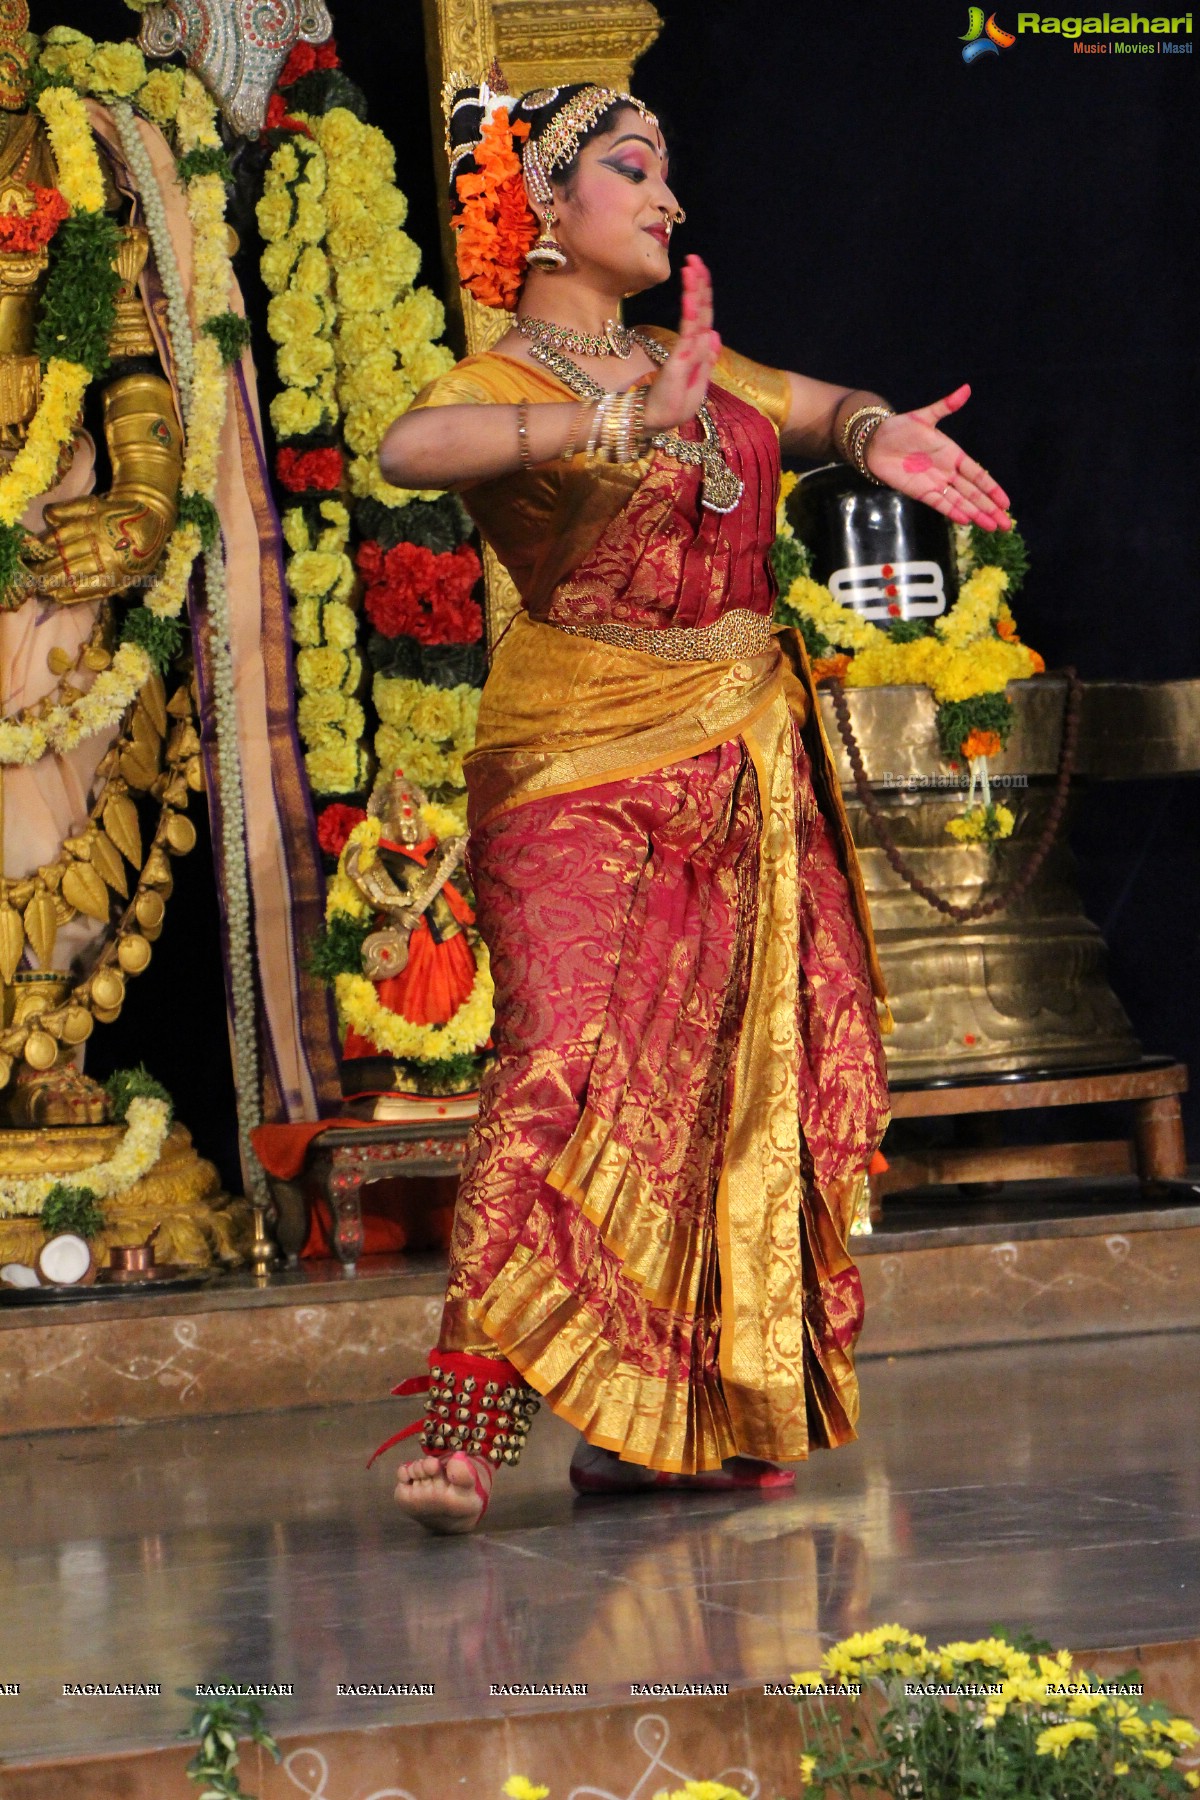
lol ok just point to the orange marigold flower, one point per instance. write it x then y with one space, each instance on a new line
830 668
1006 627
496 225
981 743
1039 663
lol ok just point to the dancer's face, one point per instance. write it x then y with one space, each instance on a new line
614 216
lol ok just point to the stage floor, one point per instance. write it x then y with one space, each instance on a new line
1053 1486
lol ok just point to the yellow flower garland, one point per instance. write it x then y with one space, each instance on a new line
359 1005
355 342
64 383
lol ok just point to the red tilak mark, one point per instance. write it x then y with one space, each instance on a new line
891 590
917 463
893 609
969 1037
887 570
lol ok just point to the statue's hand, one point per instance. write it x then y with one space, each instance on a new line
99 545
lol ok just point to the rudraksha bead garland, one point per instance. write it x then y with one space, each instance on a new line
982 909
484 1419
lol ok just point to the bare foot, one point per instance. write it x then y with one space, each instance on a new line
446 1495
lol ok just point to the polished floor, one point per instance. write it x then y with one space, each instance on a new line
1054 1487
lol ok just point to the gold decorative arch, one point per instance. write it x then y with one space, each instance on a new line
537 43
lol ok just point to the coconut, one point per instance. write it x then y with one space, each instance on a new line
19 1275
66 1261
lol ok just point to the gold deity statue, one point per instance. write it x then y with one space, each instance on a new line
82 548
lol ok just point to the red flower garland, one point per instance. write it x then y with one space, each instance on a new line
335 824
305 471
420 593
33 231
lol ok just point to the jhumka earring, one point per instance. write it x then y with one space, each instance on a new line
547 252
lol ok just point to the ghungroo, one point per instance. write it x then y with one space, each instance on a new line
477 1404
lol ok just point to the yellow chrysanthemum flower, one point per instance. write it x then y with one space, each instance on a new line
1055 1740
118 69
313 573
1180 1731
160 94
339 769
295 412
340 625
427 363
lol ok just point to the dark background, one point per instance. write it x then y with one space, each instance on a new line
876 212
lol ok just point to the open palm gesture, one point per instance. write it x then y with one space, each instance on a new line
909 453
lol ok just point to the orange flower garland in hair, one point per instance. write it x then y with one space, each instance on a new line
496 225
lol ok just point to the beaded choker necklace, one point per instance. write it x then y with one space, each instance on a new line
617 340
721 489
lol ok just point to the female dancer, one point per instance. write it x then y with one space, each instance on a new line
651 1227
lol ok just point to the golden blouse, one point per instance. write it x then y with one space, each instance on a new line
541 522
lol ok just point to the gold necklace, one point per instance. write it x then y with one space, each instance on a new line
617 339
720 489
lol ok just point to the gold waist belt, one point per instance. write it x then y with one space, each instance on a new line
736 634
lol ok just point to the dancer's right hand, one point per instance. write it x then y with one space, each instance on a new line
678 392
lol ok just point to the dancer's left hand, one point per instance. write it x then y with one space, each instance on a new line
909 453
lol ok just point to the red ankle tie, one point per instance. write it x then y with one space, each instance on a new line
476 1404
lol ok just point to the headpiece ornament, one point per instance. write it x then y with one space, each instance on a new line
558 144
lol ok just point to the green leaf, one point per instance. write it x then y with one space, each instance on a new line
161 639
231 332
76 1209
122 1086
79 305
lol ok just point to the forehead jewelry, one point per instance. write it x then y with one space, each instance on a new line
558 144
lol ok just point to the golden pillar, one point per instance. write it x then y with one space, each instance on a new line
538 43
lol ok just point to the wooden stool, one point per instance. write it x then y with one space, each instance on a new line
1154 1152
346 1160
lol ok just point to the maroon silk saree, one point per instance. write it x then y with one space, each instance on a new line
652 1220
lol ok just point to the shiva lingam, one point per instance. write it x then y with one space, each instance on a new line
1024 986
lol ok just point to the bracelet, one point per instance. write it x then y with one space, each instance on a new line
594 435
638 422
523 433
856 436
570 450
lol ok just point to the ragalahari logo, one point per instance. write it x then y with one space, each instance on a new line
984 38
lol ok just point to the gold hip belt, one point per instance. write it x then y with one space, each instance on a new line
736 634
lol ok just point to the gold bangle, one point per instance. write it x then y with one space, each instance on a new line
856 435
570 450
523 433
594 435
